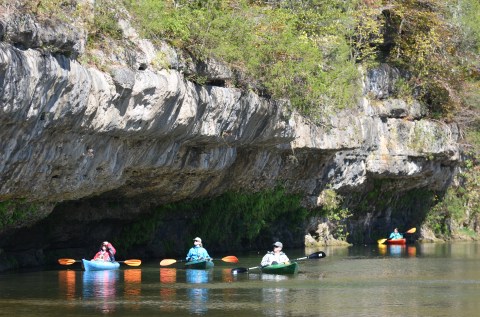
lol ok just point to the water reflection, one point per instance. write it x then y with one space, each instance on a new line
198 296
462 250
273 277
426 280
275 300
168 294
168 275
66 283
382 249
412 250
397 250
101 286
133 286
228 277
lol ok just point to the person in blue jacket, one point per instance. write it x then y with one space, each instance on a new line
395 234
197 252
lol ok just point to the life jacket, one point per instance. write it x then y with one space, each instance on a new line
102 255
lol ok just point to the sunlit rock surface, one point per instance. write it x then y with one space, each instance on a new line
70 131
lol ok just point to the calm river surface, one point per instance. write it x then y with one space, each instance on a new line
420 280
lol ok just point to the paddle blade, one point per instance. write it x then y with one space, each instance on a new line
239 270
230 258
317 255
133 262
66 261
381 241
413 230
244 269
167 262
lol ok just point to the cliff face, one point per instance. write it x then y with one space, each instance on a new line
71 132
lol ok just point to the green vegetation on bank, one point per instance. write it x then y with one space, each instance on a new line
290 51
308 50
459 209
336 215
15 213
240 216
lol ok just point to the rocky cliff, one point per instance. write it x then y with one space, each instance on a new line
138 131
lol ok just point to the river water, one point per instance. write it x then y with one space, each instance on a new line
420 280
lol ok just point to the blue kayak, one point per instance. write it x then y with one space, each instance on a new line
99 265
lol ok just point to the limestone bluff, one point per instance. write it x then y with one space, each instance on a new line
71 132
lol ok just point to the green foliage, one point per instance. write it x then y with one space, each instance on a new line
467 14
237 216
13 213
461 203
242 216
468 232
306 50
104 23
329 200
469 117
420 38
140 231
295 52
332 207
439 218
99 19
365 34
50 9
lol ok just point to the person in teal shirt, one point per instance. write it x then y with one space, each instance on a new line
197 252
395 234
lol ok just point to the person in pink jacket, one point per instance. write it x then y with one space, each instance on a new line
106 253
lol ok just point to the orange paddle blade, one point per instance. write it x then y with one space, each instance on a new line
381 241
411 230
66 261
132 262
167 262
230 258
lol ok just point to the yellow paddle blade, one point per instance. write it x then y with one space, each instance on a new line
381 241
167 262
133 262
411 230
66 261
230 258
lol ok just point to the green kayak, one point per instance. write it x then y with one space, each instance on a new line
199 265
290 268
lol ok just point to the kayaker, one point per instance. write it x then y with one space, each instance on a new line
276 256
197 252
106 253
395 234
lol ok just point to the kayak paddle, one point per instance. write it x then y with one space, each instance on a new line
244 269
230 259
132 262
316 255
412 230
